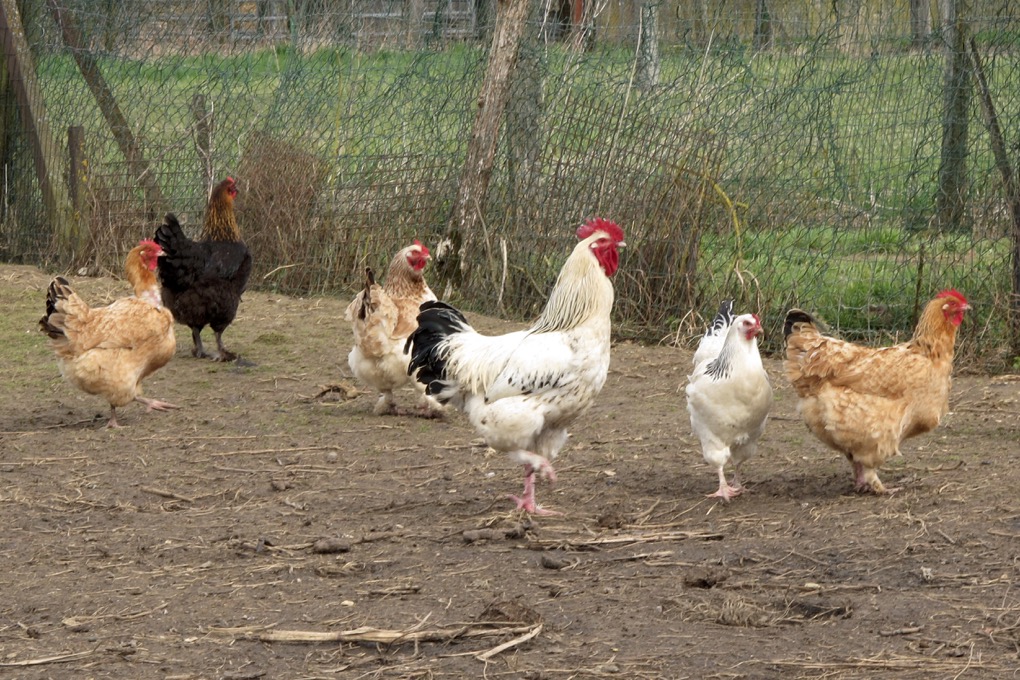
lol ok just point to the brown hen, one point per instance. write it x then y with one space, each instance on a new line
864 401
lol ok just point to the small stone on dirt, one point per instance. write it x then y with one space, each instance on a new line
328 546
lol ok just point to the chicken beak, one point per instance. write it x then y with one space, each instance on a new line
621 244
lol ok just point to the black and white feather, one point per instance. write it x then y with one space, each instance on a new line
712 342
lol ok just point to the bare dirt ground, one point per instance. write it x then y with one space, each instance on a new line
266 530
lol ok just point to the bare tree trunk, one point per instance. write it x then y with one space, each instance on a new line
648 46
524 134
414 12
1009 183
762 26
951 200
920 22
451 254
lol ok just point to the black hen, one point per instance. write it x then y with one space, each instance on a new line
202 280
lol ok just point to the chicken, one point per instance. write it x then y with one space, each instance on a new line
382 318
864 401
203 280
108 351
729 395
521 390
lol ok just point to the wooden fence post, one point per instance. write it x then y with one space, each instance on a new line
89 68
35 123
951 200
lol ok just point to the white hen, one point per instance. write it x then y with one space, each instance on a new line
729 395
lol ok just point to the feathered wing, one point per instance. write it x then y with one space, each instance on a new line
186 264
454 360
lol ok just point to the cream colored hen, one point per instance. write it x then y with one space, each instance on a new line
382 317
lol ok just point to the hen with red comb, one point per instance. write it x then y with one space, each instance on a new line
108 351
382 316
729 395
863 401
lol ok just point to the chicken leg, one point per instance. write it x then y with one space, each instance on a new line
866 479
726 490
224 354
526 501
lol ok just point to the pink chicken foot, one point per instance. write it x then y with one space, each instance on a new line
155 404
526 501
726 490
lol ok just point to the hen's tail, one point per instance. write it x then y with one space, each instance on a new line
366 296
795 317
436 322
723 319
711 342
62 306
169 235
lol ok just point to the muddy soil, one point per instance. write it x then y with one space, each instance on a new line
274 528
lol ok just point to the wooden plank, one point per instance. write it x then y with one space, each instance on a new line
75 175
89 68
45 151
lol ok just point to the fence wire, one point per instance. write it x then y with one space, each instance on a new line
779 153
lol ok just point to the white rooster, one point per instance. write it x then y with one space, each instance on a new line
729 394
521 390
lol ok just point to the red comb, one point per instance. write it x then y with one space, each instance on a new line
609 227
952 293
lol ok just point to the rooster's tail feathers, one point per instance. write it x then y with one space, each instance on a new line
796 316
436 322
366 296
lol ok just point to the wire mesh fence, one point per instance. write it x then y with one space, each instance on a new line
835 156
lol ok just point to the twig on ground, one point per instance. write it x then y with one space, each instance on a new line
485 656
57 658
166 494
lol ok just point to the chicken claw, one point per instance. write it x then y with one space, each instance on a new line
155 404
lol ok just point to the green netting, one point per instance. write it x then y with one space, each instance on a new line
776 152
